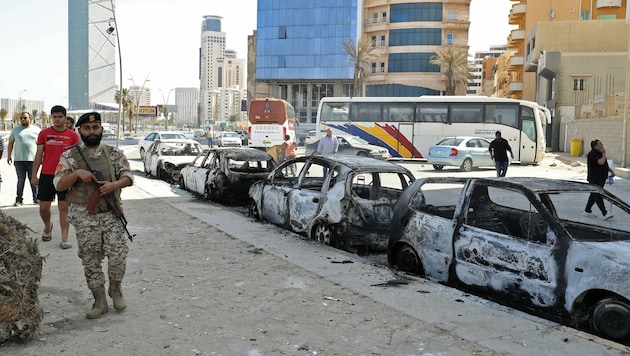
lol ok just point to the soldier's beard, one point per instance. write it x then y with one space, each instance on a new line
92 140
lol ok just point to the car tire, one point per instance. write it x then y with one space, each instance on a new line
611 318
467 165
141 152
323 233
252 210
407 260
438 167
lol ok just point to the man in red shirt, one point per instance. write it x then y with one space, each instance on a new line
51 143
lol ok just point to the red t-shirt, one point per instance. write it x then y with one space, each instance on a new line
55 143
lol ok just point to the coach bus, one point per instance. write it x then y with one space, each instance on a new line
408 126
269 120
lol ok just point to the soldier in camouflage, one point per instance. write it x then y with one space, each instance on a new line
99 232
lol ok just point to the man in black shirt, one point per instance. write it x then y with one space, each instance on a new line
499 148
597 172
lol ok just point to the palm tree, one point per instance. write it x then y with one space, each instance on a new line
128 104
44 119
453 62
361 56
3 115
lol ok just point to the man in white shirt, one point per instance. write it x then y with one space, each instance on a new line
328 145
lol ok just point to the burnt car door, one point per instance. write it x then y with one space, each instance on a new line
153 158
304 202
504 246
199 173
276 190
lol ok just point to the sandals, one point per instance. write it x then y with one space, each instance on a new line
65 245
47 235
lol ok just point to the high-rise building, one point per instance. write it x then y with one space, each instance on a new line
211 55
483 63
91 54
141 95
300 58
187 102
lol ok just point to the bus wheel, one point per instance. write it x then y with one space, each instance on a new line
467 165
438 167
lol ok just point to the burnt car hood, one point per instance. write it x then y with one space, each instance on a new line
178 160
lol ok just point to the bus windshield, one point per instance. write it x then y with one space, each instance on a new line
269 122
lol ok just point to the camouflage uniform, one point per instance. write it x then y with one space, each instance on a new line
100 234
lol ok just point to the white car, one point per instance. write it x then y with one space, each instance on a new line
310 137
229 139
165 159
144 143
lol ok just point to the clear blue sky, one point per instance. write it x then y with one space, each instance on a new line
159 39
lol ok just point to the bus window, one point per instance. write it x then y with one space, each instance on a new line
527 126
366 112
333 111
431 112
506 114
463 113
399 112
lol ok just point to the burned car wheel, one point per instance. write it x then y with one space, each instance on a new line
253 210
467 165
323 233
438 167
611 318
407 260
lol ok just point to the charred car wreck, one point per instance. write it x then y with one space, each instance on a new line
225 174
521 242
343 201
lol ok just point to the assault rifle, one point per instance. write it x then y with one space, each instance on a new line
110 198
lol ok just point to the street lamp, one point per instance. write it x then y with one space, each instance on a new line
165 108
109 31
135 129
21 109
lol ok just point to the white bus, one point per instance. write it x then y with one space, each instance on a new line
408 126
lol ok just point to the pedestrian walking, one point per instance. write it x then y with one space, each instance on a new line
328 145
288 151
210 137
70 122
100 233
21 153
51 142
499 148
597 172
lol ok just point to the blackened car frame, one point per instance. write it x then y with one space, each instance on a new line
522 242
343 201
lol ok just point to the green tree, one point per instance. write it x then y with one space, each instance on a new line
128 104
361 57
453 62
3 115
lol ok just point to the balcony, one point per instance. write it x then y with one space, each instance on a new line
531 62
517 61
456 24
517 14
608 3
516 87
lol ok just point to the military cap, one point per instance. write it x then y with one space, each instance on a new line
89 117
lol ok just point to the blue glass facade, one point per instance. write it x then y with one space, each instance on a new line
302 39
78 62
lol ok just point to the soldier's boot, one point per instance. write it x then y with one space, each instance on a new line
115 292
100 303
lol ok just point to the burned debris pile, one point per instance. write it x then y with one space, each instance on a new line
20 274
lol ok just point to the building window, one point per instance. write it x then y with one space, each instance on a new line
384 16
450 14
449 39
373 41
282 32
348 90
415 37
382 67
373 68
382 40
579 84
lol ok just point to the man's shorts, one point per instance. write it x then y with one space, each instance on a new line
47 189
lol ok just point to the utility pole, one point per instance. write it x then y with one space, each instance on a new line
165 107
135 129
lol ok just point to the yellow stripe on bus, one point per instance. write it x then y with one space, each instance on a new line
384 136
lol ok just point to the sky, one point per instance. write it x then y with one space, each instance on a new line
159 40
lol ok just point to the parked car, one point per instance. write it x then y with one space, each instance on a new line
521 242
225 174
229 139
144 143
463 152
311 137
243 135
199 134
164 159
353 146
343 201
108 134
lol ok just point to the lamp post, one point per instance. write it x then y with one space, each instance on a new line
165 108
20 104
109 31
135 129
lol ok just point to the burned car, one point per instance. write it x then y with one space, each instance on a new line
343 201
225 174
521 242
164 159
